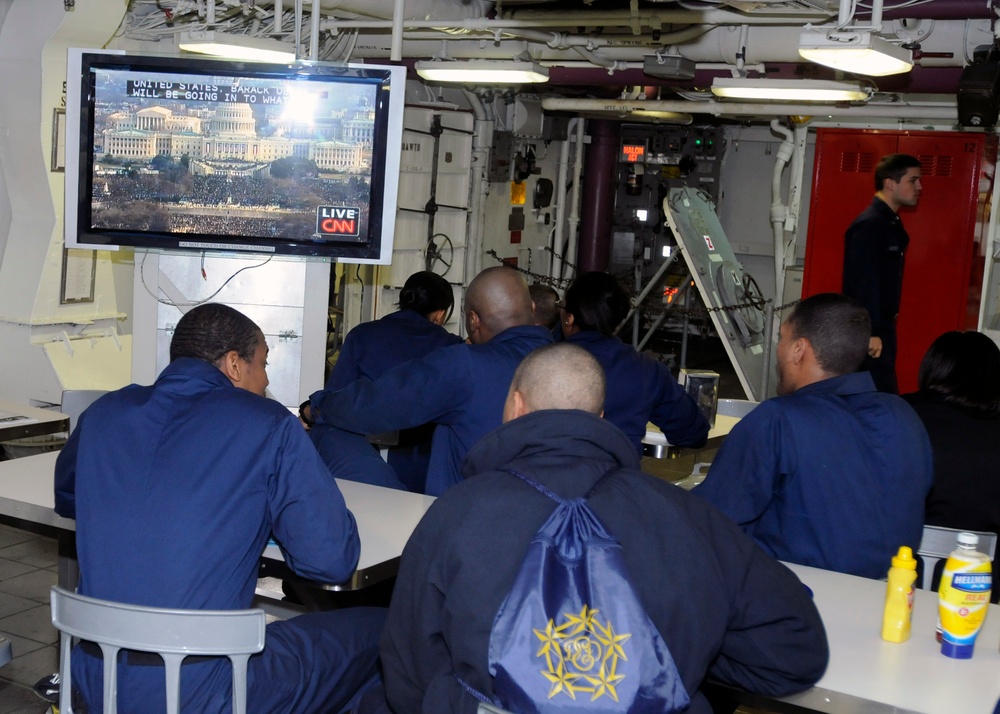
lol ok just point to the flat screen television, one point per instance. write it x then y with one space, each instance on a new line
191 154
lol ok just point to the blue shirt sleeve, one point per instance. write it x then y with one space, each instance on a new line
65 477
432 389
316 532
677 414
744 473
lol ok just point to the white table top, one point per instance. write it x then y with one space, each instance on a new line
867 674
730 411
18 421
26 490
385 517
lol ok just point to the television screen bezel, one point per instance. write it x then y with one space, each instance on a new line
79 154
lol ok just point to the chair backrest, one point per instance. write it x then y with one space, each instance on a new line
75 401
937 543
173 634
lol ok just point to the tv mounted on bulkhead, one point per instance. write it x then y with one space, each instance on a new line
193 154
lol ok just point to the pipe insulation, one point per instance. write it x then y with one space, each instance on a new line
779 211
950 43
946 110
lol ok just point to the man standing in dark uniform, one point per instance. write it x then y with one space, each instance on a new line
874 246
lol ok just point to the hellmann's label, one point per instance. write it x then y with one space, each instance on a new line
964 599
971 583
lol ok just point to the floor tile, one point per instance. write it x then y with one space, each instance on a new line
34 624
22 646
40 552
18 699
13 604
12 568
34 585
34 709
29 668
13 536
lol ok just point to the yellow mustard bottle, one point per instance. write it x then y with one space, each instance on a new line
898 614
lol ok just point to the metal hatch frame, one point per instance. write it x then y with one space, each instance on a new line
740 314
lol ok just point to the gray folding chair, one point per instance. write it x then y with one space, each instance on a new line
76 401
937 543
173 634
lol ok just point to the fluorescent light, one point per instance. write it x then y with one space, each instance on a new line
219 44
642 214
857 52
482 71
789 90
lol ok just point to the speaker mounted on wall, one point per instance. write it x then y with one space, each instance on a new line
979 94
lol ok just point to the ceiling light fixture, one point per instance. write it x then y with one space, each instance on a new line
789 90
857 52
482 71
245 47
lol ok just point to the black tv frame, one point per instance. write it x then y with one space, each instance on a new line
373 245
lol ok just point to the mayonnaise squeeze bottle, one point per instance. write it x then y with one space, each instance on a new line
963 597
898 614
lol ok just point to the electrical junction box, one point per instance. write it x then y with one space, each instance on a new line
669 67
527 119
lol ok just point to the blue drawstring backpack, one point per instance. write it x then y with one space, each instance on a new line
571 636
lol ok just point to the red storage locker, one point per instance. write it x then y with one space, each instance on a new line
943 273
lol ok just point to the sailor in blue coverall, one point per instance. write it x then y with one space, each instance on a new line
640 389
724 608
461 388
176 489
831 473
373 348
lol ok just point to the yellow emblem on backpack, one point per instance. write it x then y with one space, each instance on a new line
582 655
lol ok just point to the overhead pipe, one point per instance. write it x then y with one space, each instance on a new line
937 10
609 64
279 13
562 193
482 142
876 16
314 15
656 20
779 211
674 17
927 80
947 45
396 46
598 196
795 190
417 9
573 222
947 110
563 40
298 29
